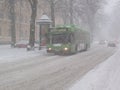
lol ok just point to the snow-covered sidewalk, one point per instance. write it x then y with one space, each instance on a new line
105 76
8 54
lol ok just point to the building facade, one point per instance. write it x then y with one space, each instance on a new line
22 20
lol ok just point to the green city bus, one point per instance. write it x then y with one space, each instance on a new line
67 39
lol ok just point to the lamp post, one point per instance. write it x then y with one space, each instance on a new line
44 23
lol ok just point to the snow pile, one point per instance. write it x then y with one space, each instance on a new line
8 54
103 77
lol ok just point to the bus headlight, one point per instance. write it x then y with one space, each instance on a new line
49 49
65 49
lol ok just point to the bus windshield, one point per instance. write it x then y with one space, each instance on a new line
60 38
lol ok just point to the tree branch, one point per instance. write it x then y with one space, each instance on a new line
31 2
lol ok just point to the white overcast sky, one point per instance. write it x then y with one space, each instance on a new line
110 6
108 11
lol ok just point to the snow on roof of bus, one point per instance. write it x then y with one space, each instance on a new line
72 27
66 26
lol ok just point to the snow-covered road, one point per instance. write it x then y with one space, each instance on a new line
8 54
104 77
50 72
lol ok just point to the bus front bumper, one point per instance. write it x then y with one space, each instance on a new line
59 51
50 51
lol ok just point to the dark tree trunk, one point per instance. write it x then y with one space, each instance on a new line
33 4
12 25
71 11
52 6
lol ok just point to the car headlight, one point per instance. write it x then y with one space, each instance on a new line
49 49
65 49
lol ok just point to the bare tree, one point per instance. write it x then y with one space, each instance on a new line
64 9
71 10
52 4
78 10
11 4
114 22
33 4
87 10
